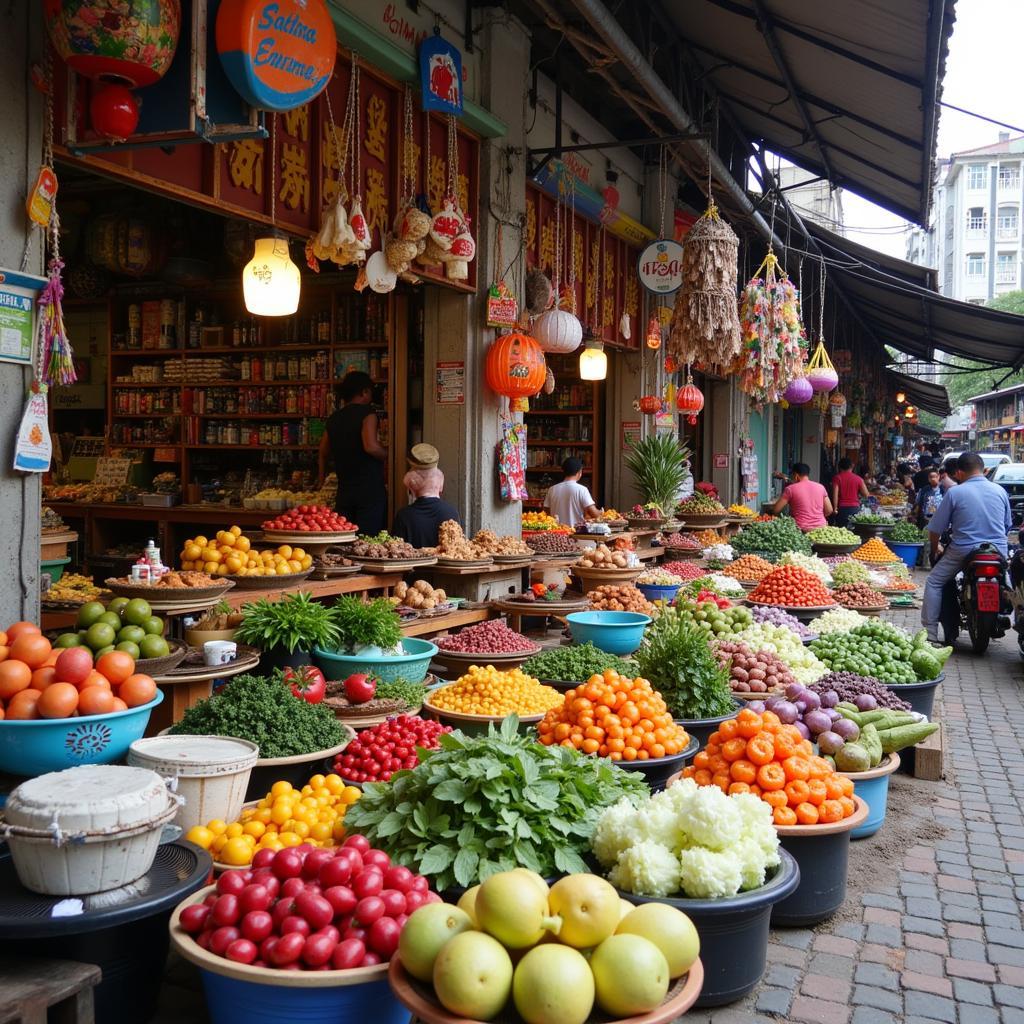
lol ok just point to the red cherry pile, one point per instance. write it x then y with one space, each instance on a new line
310 519
306 909
380 751
793 587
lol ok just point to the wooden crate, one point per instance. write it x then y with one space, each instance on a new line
928 757
475 584
31 988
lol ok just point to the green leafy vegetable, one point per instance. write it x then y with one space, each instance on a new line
483 804
776 536
906 533
296 621
366 623
263 710
401 689
575 663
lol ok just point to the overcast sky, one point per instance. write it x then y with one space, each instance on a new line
983 74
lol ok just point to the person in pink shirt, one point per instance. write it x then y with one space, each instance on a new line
808 501
847 490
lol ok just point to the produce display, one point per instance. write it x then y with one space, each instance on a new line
492 544
742 511
539 592
685 570
882 651
604 557
614 716
712 583
610 515
285 817
491 637
382 545
866 518
38 680
748 568
684 541
875 552
293 622
367 695
174 580
711 617
231 554
72 588
838 620
420 595
763 636
366 627
812 563
122 625
380 751
906 533
859 595
306 909
861 691
753 671
453 543
490 692
778 617
813 714
897 496
310 519
757 753
622 597
648 511
540 521
793 587
898 583
332 560
658 577
832 535
698 504
263 710
495 801
552 543
518 943
688 840
879 732
774 536
50 521
574 663
849 571
719 552
707 538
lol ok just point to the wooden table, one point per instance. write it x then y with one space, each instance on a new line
443 623
360 583
482 583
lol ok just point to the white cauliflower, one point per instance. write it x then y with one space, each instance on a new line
678 796
781 640
753 863
646 869
758 824
660 823
710 874
713 819
617 829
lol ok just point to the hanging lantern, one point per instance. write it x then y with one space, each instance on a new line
558 330
650 404
670 364
126 41
270 281
653 334
820 372
515 368
690 400
798 391
900 397
593 361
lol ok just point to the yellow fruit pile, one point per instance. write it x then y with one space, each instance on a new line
540 521
284 817
231 554
741 510
488 691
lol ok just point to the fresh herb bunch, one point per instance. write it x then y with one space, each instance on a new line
575 663
777 535
262 709
483 804
401 689
658 463
366 623
378 538
294 621
676 657
906 533
872 519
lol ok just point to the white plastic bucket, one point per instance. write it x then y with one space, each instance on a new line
212 773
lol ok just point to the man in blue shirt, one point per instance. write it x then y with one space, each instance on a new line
976 512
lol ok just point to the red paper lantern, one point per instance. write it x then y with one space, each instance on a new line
670 364
515 368
650 404
690 400
113 112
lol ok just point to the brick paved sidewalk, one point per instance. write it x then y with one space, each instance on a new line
939 939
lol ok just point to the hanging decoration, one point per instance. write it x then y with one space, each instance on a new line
820 372
549 382
440 75
773 335
625 327
515 368
705 326
653 334
651 405
798 391
449 229
690 400
512 460
558 330
671 365
539 293
660 264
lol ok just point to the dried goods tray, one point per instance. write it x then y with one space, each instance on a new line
270 582
72 606
245 659
171 595
562 606
330 572
467 563
896 591
393 564
507 559
678 552
608 575
446 608
303 538
704 520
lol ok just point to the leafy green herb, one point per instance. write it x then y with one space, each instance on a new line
575 663
775 536
658 464
263 710
483 804
676 658
872 519
401 689
295 621
906 533
366 623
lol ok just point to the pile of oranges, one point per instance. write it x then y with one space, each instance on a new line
792 587
756 753
614 716
875 551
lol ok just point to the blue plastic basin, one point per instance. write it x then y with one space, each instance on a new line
613 632
42 745
873 788
411 666
656 592
908 552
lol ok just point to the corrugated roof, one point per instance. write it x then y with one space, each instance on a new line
848 90
999 391
922 393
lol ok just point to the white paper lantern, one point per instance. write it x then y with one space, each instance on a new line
558 330
593 362
270 281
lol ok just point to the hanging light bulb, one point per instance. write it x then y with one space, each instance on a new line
593 361
900 397
653 334
271 282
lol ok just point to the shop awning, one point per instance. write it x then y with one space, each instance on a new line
848 91
922 393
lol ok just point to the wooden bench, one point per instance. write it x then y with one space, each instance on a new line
35 991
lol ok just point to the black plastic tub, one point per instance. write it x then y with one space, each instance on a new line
920 696
702 728
733 933
823 853
658 770
279 658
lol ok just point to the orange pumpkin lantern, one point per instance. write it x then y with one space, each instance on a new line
515 367
650 404
690 400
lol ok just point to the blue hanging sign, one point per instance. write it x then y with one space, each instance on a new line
441 76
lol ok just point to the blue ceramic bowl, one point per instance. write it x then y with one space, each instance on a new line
412 665
613 632
655 592
41 745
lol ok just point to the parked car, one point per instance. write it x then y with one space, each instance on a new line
991 460
1010 476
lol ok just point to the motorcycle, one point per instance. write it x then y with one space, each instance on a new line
978 599
1017 594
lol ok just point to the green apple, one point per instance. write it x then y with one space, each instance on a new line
89 613
100 634
153 647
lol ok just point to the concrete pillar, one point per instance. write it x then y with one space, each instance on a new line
19 163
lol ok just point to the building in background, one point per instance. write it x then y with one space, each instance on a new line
813 197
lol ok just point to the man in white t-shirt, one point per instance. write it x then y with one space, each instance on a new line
570 502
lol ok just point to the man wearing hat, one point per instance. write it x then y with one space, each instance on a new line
423 456
419 522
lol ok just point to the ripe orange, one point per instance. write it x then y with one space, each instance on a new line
43 677
23 706
20 629
58 701
136 690
32 649
116 666
95 700
15 676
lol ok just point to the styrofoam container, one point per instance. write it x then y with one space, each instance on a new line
87 829
211 773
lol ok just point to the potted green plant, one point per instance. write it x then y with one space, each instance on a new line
287 630
658 464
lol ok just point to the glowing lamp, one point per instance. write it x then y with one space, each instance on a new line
270 281
593 361
654 334
900 397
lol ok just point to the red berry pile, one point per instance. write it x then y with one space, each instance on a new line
380 751
304 909
310 519
685 570
794 587
492 637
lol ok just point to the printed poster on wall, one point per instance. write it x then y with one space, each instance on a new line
630 433
18 293
33 447
450 379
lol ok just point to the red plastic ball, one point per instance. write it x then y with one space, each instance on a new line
114 112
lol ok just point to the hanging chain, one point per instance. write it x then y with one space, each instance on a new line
453 159
557 268
662 188
357 156
334 137
572 242
426 154
408 150
821 304
273 170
